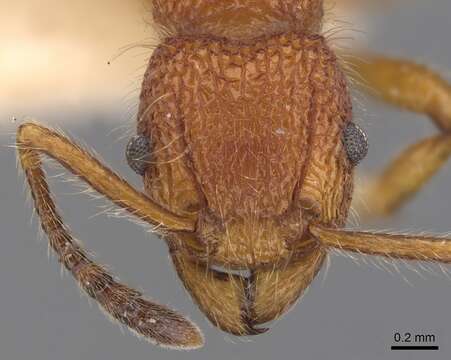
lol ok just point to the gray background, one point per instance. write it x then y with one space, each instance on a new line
351 313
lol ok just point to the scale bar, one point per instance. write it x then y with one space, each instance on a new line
415 347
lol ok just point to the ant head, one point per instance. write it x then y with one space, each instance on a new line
239 19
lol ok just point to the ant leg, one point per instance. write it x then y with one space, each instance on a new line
421 248
416 88
125 305
405 176
407 85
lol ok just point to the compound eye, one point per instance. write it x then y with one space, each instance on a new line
138 153
356 143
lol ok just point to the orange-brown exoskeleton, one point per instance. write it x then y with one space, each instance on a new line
247 150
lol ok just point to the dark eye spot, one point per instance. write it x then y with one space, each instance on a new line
356 143
137 153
